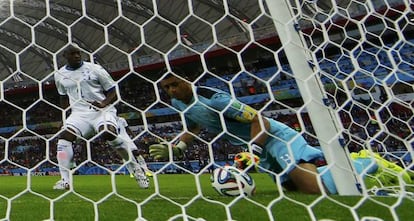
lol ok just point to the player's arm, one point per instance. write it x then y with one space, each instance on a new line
243 113
109 85
188 138
64 103
257 132
245 159
63 98
111 97
161 150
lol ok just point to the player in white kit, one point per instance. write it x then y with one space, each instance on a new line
124 132
90 91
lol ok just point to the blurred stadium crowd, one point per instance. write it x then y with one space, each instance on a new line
29 147
30 121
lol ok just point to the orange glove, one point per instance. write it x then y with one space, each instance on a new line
244 159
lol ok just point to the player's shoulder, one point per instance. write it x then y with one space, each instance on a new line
91 65
177 103
209 92
214 97
60 72
97 68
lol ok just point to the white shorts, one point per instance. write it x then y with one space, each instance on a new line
87 123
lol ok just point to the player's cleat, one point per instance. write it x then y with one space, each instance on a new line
140 177
143 165
148 173
61 185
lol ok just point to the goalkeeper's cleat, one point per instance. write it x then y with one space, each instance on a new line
61 185
140 177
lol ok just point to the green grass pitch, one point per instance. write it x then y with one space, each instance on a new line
104 197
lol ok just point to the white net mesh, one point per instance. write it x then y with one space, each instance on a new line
339 72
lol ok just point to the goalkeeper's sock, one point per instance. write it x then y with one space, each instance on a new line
64 156
327 179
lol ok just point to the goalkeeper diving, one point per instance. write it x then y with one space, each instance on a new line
211 109
281 149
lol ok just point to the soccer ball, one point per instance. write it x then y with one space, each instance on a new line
225 180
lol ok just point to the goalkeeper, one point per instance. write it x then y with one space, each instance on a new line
281 149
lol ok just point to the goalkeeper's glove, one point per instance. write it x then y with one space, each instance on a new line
161 151
245 159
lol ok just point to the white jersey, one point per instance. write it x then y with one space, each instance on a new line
83 85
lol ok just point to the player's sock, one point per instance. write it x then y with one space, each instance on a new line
122 149
327 179
125 157
142 163
116 143
64 157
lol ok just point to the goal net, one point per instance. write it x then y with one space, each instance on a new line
339 72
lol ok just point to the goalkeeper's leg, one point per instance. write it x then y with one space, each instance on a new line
305 178
362 166
133 150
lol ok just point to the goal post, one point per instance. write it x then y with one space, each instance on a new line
324 120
